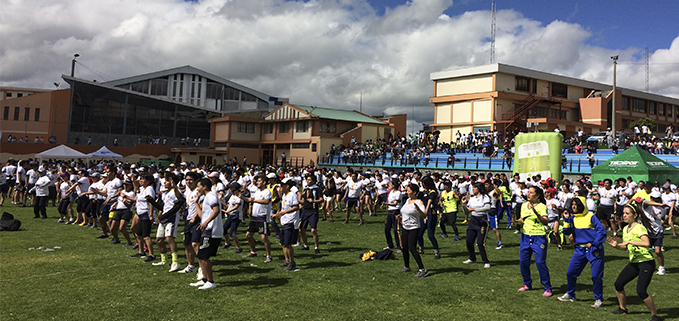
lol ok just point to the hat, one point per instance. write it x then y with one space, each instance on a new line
127 181
133 166
152 166
95 174
601 183
213 174
171 165
271 175
182 163
41 171
289 181
655 194
234 185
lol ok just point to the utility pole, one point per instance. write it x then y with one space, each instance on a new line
73 64
492 34
615 64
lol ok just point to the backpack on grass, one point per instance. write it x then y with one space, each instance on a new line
8 223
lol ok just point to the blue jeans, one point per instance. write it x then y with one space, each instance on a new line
430 228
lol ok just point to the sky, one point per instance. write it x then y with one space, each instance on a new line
338 53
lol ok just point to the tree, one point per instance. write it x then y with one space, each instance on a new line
641 122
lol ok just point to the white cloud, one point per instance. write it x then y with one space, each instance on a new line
320 52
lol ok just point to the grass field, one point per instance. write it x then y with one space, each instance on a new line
90 279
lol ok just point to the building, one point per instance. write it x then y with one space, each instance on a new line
504 98
29 113
301 133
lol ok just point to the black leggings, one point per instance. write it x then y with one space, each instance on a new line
450 218
477 230
409 240
644 270
63 205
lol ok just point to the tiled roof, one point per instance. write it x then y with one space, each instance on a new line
339 114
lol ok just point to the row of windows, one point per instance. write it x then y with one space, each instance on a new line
531 85
269 146
27 113
248 128
654 108
659 128
9 94
284 127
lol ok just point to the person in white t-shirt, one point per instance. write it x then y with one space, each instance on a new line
234 215
606 211
259 223
393 203
290 219
353 195
122 212
212 228
41 195
192 237
168 220
145 193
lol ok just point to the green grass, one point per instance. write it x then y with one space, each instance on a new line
90 279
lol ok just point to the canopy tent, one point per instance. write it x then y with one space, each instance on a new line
61 151
637 163
104 152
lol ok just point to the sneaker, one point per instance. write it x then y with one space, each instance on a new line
468 261
421 273
499 247
136 246
456 238
524 288
239 250
102 236
516 232
674 237
661 271
464 222
226 246
291 267
566 298
60 221
597 304
268 259
559 248
67 223
399 251
284 264
199 283
161 263
208 285
174 267
405 269
115 242
486 266
619 310
443 235
547 293
317 251
140 254
199 274
128 244
305 248
150 258
360 223
346 222
437 256
250 255
188 269
656 318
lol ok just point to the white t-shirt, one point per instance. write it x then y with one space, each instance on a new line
63 188
553 211
654 215
354 189
83 186
669 198
142 203
410 217
32 176
382 186
607 196
622 199
261 211
120 205
190 196
214 229
42 186
289 201
394 196
233 202
479 201
96 187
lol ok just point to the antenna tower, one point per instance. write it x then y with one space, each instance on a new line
492 34
647 67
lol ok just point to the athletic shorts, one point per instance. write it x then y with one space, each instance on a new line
231 226
289 234
191 235
30 187
309 218
493 221
166 229
352 202
144 228
656 241
551 221
451 218
52 192
327 198
605 213
83 202
261 228
208 248
339 192
618 210
4 188
105 210
382 198
124 215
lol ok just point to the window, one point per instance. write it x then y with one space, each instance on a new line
8 94
669 110
5 116
638 105
283 127
313 147
221 145
559 90
300 146
661 109
302 126
246 128
539 112
20 94
328 127
558 114
268 128
521 83
661 128
37 114
16 113
250 146
651 107
626 122
535 86
625 103
27 114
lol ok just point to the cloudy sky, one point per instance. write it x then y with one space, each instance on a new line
327 52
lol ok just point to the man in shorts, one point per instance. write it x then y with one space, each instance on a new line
353 195
212 230
261 207
289 216
192 237
311 198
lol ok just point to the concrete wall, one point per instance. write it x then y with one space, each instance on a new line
465 85
235 135
462 112
482 110
444 114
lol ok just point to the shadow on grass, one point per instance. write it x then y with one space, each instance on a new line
327 264
260 282
347 249
244 270
579 287
505 262
673 270
452 270
226 262
669 313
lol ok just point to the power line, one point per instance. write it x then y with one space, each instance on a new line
107 77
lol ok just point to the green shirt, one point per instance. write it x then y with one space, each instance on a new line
637 253
449 202
531 224
506 193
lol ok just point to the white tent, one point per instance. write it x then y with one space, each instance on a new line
104 152
61 151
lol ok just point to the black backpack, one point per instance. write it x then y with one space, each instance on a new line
8 223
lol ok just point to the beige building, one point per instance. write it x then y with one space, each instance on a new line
503 97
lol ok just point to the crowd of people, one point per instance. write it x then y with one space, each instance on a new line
132 200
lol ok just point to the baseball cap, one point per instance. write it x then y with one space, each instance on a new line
656 194
271 175
234 185
213 174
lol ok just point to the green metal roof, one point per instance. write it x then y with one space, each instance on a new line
338 114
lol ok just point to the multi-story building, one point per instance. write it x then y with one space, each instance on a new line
505 98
